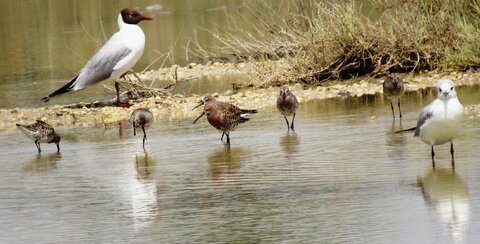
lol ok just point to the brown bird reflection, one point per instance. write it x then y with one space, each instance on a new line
224 162
43 163
289 143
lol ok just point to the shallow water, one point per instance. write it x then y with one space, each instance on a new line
343 176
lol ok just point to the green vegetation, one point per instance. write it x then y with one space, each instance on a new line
322 41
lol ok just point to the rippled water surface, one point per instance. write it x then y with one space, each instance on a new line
343 176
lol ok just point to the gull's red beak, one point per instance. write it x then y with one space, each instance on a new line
143 17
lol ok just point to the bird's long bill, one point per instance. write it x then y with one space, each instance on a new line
199 117
143 17
200 104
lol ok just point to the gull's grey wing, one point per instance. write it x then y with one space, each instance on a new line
100 66
425 114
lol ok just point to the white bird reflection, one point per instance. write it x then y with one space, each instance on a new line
144 192
446 192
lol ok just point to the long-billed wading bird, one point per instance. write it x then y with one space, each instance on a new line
440 121
393 89
287 104
40 132
114 59
141 118
223 116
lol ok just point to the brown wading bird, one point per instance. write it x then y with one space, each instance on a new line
141 118
223 116
116 57
40 132
393 88
287 104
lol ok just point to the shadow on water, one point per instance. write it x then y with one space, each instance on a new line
144 192
289 143
43 163
447 194
225 161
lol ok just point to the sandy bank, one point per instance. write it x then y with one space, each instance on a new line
179 107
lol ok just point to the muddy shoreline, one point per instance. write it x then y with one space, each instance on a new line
177 107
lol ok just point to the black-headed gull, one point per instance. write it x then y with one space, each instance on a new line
393 89
115 58
441 120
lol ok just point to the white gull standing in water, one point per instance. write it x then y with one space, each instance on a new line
441 120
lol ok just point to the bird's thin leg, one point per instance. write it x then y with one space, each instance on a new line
134 130
228 139
399 109
144 137
452 152
293 121
58 147
37 144
288 124
119 103
117 89
221 139
393 111
433 159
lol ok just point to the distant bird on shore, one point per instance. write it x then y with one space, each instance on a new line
440 120
40 132
393 89
287 104
223 116
141 118
114 59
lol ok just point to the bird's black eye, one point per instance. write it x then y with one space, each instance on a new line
451 88
440 89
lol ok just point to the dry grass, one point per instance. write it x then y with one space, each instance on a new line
322 41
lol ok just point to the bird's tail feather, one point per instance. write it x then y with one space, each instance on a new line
411 129
66 88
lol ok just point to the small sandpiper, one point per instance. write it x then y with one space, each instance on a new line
393 89
40 132
141 118
287 104
223 116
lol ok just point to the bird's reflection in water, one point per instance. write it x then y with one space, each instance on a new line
144 192
447 194
43 162
289 143
224 162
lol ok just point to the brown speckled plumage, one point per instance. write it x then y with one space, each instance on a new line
141 118
393 88
40 132
223 116
287 104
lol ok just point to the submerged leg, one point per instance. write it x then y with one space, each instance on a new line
288 124
221 139
399 109
37 144
144 136
393 111
228 139
452 152
293 121
433 159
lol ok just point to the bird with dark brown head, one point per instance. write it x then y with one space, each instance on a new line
132 16
223 116
393 89
287 104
